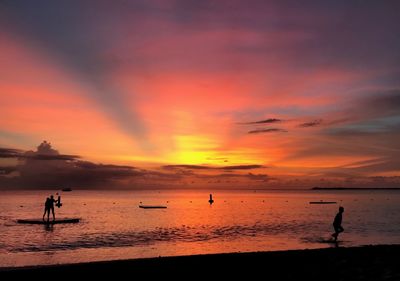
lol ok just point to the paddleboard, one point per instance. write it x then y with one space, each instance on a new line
41 221
152 207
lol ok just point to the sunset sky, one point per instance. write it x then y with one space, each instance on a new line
200 93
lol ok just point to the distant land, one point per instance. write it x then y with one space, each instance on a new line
355 188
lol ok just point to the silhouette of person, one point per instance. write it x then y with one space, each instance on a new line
337 223
46 204
58 204
49 206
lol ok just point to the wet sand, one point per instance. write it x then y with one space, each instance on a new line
356 263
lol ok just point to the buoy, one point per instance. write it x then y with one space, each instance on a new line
211 199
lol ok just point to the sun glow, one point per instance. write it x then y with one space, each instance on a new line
193 149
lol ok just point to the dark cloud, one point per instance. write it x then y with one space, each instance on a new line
370 107
266 121
348 142
46 152
17 153
151 175
64 157
268 130
365 162
369 116
5 170
380 104
47 168
10 153
353 132
259 177
383 180
242 167
79 174
383 131
230 176
386 164
203 167
190 167
91 166
337 121
357 170
314 123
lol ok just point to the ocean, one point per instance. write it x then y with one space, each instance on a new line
113 226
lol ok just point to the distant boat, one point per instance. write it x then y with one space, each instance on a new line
323 202
152 207
66 189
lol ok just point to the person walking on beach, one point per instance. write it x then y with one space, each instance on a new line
49 206
337 223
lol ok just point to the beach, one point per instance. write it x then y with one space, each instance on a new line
353 263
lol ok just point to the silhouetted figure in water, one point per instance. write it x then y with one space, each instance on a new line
337 223
211 200
59 204
49 206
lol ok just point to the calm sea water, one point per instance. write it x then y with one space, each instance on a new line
114 227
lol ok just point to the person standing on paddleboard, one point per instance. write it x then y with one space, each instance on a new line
49 206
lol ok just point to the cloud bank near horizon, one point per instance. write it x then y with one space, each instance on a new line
46 168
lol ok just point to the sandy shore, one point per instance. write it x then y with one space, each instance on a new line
358 263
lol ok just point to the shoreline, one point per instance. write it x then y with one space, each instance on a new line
378 262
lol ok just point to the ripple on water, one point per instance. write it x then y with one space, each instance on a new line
174 234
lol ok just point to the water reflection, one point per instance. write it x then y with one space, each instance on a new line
48 227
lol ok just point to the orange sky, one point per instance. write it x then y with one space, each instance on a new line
155 83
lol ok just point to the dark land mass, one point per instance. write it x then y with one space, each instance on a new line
355 188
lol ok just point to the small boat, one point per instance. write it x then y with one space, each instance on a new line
67 189
152 207
323 202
